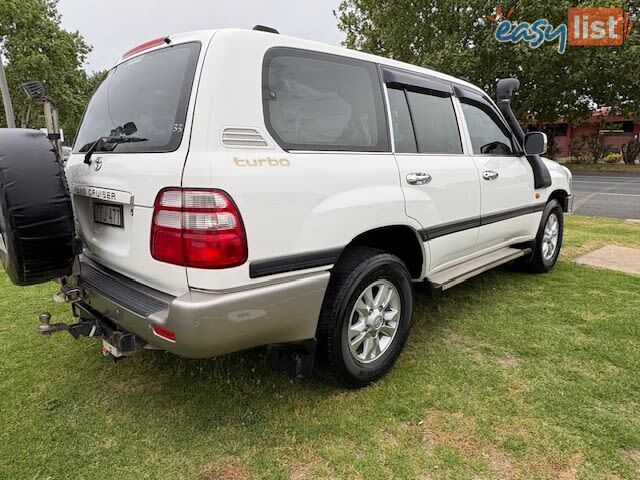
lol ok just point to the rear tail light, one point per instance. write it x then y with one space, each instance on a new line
197 228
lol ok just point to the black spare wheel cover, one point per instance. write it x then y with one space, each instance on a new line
36 217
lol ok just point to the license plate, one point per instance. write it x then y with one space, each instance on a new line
108 349
108 214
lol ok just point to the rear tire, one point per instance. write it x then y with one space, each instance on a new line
548 240
365 317
36 218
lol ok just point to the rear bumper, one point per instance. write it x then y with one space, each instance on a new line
207 324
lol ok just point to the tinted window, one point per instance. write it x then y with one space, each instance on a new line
488 133
150 94
315 101
434 122
403 136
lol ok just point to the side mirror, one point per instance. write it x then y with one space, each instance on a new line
535 143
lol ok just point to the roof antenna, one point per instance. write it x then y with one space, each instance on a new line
263 28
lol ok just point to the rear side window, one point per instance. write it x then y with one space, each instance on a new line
403 136
434 122
489 136
316 101
144 99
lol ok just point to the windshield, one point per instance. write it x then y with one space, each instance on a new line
151 92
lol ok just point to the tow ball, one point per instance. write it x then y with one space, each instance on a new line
45 328
85 328
67 294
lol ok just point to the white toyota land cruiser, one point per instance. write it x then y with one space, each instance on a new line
237 188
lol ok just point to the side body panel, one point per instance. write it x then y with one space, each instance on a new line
561 179
507 194
452 196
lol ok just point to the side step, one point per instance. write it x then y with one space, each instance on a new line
452 276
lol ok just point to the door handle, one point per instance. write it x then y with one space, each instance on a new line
490 174
418 178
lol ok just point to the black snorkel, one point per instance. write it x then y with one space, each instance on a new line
505 90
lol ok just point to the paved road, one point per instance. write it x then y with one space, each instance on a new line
607 195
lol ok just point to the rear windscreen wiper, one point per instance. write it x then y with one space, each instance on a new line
102 141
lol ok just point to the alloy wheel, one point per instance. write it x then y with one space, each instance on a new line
374 321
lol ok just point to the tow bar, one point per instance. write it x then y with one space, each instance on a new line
85 328
116 343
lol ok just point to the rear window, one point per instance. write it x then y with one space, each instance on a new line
144 99
434 121
317 101
403 134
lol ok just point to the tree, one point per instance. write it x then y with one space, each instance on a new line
587 148
457 38
553 149
37 48
631 151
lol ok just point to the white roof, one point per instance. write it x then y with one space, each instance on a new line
287 41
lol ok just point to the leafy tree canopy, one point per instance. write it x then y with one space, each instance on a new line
457 38
37 48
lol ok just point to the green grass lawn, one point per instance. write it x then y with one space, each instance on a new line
509 375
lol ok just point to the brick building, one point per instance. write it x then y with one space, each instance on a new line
617 130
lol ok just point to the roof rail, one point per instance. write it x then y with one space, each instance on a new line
263 28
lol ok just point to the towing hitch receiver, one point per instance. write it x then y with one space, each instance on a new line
116 343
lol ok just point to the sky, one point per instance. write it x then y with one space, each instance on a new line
113 27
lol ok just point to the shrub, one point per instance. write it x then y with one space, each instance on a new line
588 148
631 151
613 158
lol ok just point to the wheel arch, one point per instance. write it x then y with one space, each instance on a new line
561 196
401 240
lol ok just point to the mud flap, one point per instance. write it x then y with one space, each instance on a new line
295 360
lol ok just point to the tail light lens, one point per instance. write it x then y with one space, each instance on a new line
197 228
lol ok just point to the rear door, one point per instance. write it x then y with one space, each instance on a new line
507 188
440 183
143 107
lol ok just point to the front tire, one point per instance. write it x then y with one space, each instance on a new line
365 317
548 240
